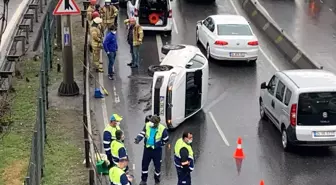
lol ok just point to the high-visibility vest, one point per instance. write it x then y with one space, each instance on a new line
181 144
112 130
115 146
158 134
115 173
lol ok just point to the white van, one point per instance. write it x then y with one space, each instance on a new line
154 15
180 84
302 105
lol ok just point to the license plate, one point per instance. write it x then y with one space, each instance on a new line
324 133
233 54
161 105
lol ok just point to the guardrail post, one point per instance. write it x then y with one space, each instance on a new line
45 2
91 177
41 6
42 131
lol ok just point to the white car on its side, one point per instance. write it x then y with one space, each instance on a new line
227 37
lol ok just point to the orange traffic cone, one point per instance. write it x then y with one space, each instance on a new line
239 154
262 182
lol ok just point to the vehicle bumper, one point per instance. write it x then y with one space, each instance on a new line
220 54
303 136
168 27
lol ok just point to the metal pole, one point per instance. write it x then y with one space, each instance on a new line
68 87
59 31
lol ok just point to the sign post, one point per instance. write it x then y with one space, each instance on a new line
66 8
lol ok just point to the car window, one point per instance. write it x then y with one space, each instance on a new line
211 25
233 29
198 62
272 84
280 91
206 22
288 96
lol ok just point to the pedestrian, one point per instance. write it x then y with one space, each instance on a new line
134 38
156 136
118 176
109 13
118 149
110 134
184 158
111 48
96 43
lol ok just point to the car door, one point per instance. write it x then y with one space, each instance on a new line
202 30
278 102
268 98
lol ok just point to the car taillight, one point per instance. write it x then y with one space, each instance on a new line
170 15
293 115
221 43
135 12
253 43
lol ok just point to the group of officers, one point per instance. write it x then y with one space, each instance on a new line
155 136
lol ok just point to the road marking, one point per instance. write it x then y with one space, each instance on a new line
175 26
217 100
159 46
261 50
102 100
221 133
116 97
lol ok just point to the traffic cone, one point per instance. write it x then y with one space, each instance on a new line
239 154
262 182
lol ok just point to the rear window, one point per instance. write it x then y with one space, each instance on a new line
233 29
317 108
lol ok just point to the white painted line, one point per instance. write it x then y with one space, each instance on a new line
159 46
116 97
133 167
103 102
175 26
217 100
221 133
261 50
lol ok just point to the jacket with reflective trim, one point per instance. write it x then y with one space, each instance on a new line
118 151
161 135
177 157
118 176
109 136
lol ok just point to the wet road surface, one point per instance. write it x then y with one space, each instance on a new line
312 25
236 113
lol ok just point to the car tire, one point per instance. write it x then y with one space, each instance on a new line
208 55
262 110
154 68
166 48
197 36
286 145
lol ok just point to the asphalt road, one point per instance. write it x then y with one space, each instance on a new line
312 25
232 104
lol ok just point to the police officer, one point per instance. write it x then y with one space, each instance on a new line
96 43
110 134
118 149
184 159
156 136
109 13
118 176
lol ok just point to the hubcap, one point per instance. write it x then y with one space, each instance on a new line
284 139
262 112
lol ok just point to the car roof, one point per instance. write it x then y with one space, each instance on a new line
229 19
181 57
311 78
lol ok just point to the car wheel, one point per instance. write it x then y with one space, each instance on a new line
284 140
154 68
262 110
166 48
197 36
208 55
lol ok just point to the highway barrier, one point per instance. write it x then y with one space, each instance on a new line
283 42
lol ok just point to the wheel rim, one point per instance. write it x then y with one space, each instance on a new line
284 139
208 52
262 110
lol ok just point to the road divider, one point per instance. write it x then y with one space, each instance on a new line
259 16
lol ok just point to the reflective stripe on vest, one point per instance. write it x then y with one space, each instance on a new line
158 134
116 145
112 130
179 145
115 173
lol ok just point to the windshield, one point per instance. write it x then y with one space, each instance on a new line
317 108
233 29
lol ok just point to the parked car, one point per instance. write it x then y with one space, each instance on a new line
227 37
302 105
180 84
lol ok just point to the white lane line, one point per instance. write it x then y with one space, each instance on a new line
103 102
175 26
217 100
159 46
221 133
261 50
116 97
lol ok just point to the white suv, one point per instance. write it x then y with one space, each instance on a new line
302 105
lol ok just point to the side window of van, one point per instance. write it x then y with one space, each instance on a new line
272 84
288 96
280 91
197 62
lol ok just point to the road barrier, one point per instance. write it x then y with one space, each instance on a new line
283 42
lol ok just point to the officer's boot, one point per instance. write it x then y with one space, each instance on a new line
143 183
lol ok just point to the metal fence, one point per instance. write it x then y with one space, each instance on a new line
36 162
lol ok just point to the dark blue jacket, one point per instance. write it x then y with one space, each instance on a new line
110 43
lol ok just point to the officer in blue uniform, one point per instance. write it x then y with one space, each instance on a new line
184 159
118 149
156 136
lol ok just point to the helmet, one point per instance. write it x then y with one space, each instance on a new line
93 2
155 119
95 14
97 20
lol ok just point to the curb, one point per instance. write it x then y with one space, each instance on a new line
282 41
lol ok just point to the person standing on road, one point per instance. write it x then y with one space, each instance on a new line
116 4
156 136
134 38
184 159
117 175
96 43
109 13
90 10
118 149
111 48
110 134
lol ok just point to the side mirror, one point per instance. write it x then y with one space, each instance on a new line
263 85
